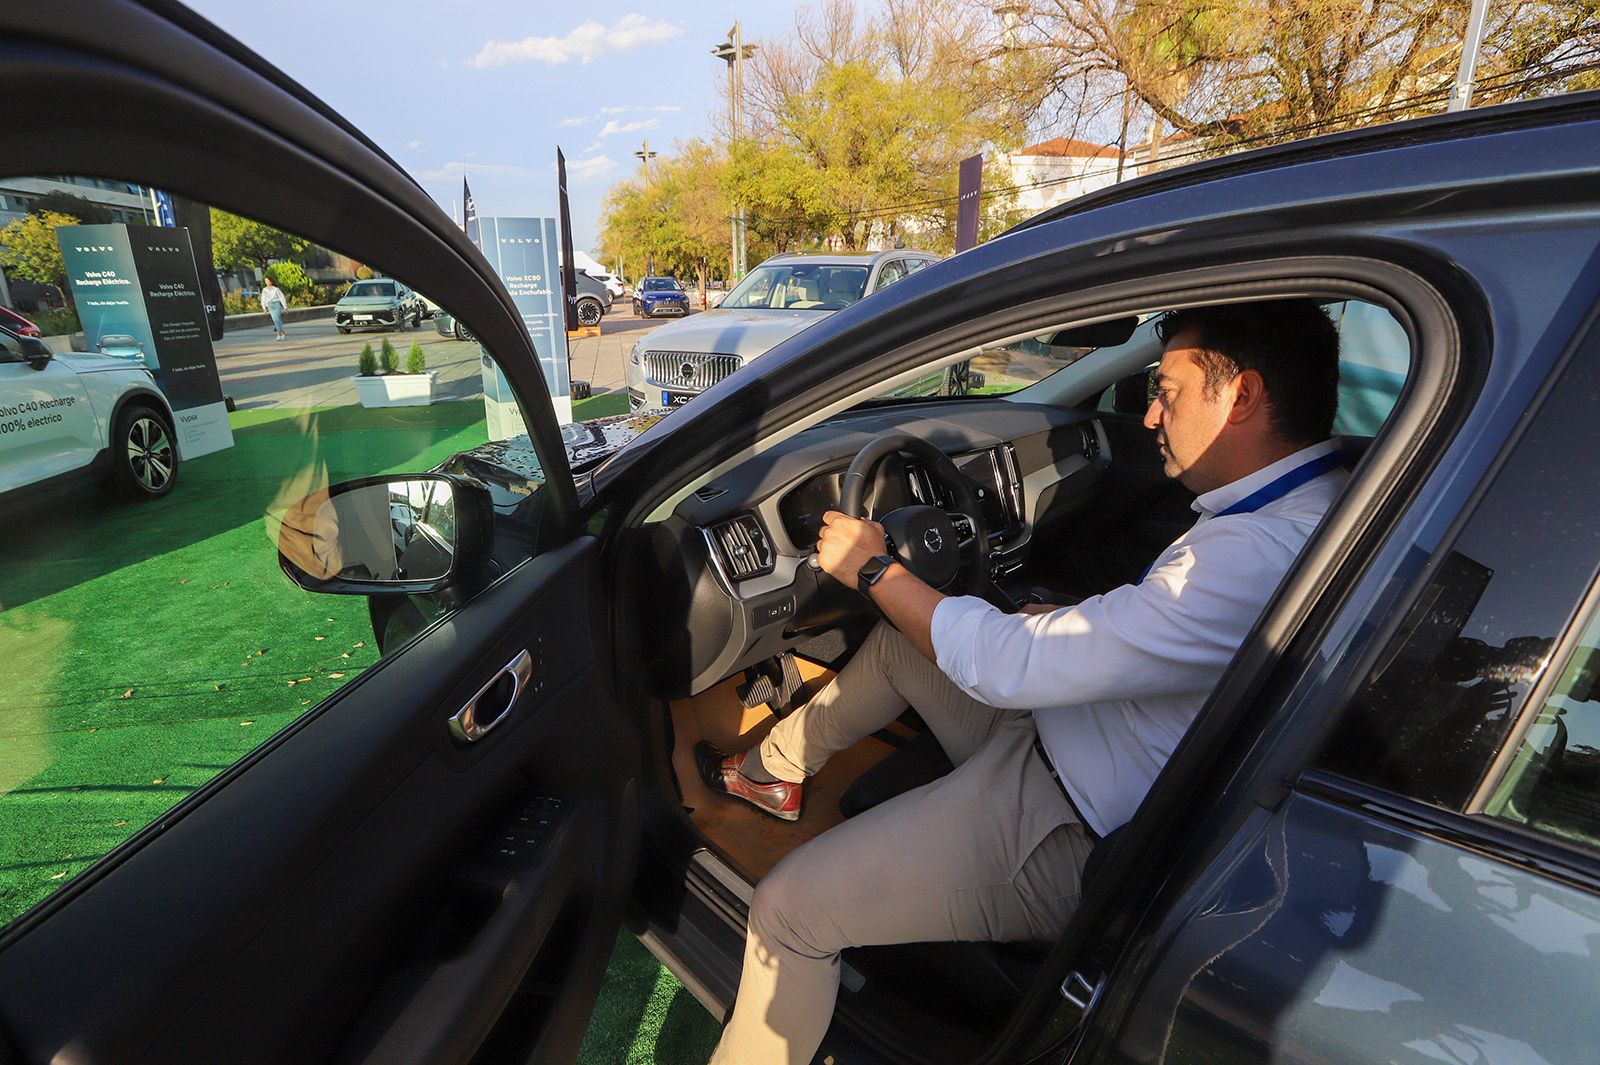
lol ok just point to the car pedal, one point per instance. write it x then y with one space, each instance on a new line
774 683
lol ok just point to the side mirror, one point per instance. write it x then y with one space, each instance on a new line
35 351
405 534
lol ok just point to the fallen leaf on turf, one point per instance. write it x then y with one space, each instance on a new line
319 637
58 876
127 694
184 581
345 655
292 683
335 676
361 643
218 686
243 723
159 780
327 619
118 824
94 728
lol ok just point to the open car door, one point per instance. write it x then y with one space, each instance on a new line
427 863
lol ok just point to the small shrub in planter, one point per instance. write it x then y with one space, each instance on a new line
416 361
381 384
389 357
368 362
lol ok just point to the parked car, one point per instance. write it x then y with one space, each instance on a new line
10 319
1379 841
656 296
447 325
381 303
430 309
594 299
68 416
776 300
614 284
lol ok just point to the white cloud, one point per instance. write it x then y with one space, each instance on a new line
614 127
587 43
456 169
580 170
595 147
635 109
576 120
415 146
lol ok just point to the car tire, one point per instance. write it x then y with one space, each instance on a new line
463 333
144 454
582 390
342 329
589 311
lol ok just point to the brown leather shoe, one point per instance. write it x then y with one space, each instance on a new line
721 773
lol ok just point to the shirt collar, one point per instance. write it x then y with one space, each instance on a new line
1219 499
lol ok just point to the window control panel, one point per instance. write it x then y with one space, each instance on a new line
524 836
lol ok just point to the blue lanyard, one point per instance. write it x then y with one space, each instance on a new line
1277 488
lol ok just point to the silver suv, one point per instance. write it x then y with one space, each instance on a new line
776 300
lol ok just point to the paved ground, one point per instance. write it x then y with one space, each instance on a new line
313 368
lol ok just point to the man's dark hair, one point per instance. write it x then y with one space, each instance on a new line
1292 344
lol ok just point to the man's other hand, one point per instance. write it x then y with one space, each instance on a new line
847 544
1038 608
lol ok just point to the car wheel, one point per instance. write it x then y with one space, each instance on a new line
463 333
590 312
144 459
342 329
582 390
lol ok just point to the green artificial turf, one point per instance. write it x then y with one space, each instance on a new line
645 1015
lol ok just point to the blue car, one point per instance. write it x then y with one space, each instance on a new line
656 296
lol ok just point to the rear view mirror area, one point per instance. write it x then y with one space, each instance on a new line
402 535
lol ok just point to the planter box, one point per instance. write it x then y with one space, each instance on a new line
396 389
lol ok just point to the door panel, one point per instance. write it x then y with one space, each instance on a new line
344 886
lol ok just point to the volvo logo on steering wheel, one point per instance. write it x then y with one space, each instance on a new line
933 541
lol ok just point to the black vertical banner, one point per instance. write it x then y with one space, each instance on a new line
967 203
469 212
569 278
196 218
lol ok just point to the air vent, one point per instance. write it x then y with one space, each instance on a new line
1091 442
744 548
706 493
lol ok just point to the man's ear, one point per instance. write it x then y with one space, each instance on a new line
1249 397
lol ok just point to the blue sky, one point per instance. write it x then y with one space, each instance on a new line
491 87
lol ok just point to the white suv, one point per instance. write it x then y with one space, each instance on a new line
82 413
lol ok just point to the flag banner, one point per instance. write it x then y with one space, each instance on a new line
469 214
138 295
569 279
967 202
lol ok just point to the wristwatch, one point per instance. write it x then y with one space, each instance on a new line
876 567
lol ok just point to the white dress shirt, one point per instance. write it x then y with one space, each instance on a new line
1115 681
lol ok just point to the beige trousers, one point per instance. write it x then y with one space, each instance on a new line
991 851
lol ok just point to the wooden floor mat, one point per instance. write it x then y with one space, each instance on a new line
752 841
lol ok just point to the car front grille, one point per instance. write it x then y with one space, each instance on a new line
688 371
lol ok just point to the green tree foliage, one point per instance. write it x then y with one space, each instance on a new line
416 361
367 364
243 244
676 216
87 212
29 251
389 357
293 279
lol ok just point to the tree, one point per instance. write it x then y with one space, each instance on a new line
292 278
29 251
242 244
678 216
87 212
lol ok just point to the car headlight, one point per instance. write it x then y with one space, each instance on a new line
634 358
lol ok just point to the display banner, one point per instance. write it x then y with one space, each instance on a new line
525 253
967 196
138 296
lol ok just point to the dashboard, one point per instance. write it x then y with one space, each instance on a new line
731 561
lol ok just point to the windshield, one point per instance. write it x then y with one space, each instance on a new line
799 286
661 284
371 288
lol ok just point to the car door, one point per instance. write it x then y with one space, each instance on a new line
275 844
47 425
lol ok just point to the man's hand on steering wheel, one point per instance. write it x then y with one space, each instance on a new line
847 544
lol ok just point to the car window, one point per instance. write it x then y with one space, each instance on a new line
799 286
892 271
997 369
659 284
913 265
1449 713
148 637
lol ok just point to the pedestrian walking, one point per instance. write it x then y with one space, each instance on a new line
274 302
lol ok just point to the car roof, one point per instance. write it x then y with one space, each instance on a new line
845 258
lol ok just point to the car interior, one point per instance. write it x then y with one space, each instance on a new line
1062 483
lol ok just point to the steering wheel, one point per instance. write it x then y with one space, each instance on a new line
930 542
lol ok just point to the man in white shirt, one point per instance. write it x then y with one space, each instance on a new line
1057 719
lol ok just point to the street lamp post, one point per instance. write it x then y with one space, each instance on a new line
644 155
734 52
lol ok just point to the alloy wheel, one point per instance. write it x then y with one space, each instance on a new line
150 454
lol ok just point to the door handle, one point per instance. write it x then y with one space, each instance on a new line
494 701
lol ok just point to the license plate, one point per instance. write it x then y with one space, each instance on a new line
675 399
362 317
